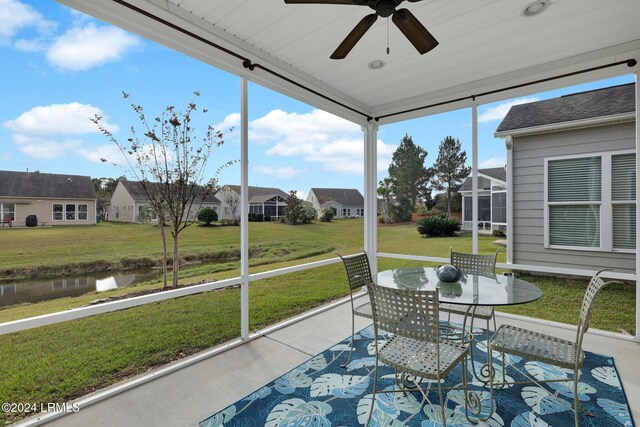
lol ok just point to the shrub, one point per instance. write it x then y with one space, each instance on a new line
309 213
267 217
420 209
207 215
438 226
259 217
31 221
328 214
498 233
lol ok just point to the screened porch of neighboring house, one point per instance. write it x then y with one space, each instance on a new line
489 51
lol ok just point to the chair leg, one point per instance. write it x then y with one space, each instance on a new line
576 401
373 397
444 414
353 332
495 326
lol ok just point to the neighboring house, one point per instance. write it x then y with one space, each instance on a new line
492 200
129 202
270 202
347 202
55 199
573 181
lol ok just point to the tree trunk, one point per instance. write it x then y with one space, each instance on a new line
164 252
449 200
176 259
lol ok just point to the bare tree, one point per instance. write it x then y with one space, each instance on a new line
170 160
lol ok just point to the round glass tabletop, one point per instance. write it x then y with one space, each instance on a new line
471 289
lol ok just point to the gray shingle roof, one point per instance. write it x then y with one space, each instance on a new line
45 185
344 196
578 106
260 194
484 183
135 189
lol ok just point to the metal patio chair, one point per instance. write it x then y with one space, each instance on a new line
473 264
415 350
549 349
358 275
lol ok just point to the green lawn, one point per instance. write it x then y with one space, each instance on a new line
60 362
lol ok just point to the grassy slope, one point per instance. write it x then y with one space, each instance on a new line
59 362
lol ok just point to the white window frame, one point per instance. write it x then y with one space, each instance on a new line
15 210
359 212
76 212
492 193
86 212
346 212
53 213
605 203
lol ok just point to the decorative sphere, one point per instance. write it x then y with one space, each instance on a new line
448 273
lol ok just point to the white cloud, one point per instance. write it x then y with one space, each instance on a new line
58 119
329 142
82 48
281 173
334 144
493 162
45 132
35 45
302 194
44 148
499 111
230 121
16 16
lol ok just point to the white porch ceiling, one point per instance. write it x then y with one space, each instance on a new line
484 45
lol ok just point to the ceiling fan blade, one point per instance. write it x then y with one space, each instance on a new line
349 2
354 36
413 30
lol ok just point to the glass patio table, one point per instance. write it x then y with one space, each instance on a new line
471 289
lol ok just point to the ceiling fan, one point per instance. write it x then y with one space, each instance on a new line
413 30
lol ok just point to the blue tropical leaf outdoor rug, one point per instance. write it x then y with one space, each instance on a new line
322 393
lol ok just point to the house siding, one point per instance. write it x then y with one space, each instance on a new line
122 207
43 209
529 153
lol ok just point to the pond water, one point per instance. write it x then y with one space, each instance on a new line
48 289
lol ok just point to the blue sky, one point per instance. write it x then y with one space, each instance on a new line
60 67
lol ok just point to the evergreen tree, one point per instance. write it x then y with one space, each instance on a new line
449 170
295 211
408 175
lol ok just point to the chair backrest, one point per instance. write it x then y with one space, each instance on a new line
358 269
595 285
475 264
404 312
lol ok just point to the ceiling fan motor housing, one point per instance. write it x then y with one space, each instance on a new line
384 8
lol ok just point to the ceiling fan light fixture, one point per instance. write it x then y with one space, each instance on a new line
536 8
376 64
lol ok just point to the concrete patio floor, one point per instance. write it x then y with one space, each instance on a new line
187 396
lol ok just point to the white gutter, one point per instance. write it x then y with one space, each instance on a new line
574 124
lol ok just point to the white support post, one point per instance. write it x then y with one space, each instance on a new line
474 178
371 194
244 209
509 144
637 210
